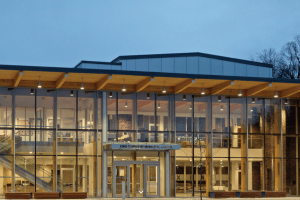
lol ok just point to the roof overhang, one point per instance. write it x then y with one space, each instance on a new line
14 76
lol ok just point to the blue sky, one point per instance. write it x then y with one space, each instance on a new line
61 33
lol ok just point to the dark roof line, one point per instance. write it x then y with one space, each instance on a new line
138 73
171 55
96 62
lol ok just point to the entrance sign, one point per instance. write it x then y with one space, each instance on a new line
142 146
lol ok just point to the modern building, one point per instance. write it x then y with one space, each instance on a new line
167 125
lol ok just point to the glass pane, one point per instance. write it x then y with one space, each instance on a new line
112 111
238 115
201 118
272 116
86 110
66 166
44 145
66 110
5 142
152 184
136 180
44 173
66 143
125 111
5 109
121 175
255 115
255 174
25 109
289 116
183 110
24 167
220 174
44 109
86 178
220 114
162 113
145 109
86 143
24 142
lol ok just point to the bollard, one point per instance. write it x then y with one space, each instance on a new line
123 190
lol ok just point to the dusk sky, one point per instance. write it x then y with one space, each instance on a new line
62 33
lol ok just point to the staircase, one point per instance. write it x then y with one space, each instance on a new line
5 148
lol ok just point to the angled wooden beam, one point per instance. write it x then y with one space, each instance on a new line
144 83
290 92
102 83
257 89
61 80
18 78
182 86
219 88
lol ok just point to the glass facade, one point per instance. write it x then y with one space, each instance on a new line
55 140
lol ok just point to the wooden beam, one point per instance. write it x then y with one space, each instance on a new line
18 78
144 83
257 89
290 92
182 86
61 80
219 88
102 83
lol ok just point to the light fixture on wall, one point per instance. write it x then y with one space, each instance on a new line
158 105
253 100
184 97
126 104
31 91
221 108
240 92
40 83
190 107
110 94
148 95
124 87
71 93
203 91
276 94
219 99
285 101
251 109
164 88
82 85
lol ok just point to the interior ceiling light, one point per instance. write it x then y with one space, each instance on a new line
148 95
190 107
251 109
285 101
126 104
221 108
276 94
219 98
158 106
202 92
31 92
124 87
71 93
110 94
40 83
164 88
253 100
82 85
184 97
240 92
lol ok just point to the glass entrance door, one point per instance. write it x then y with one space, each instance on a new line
121 173
152 180
141 178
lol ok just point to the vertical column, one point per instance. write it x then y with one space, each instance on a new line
104 139
54 136
13 160
277 150
135 117
94 172
133 175
167 172
209 161
244 147
172 131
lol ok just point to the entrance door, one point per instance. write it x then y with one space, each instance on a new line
121 173
141 178
151 180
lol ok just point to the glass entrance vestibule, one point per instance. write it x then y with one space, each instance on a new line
144 173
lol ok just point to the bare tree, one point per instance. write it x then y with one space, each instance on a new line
286 63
